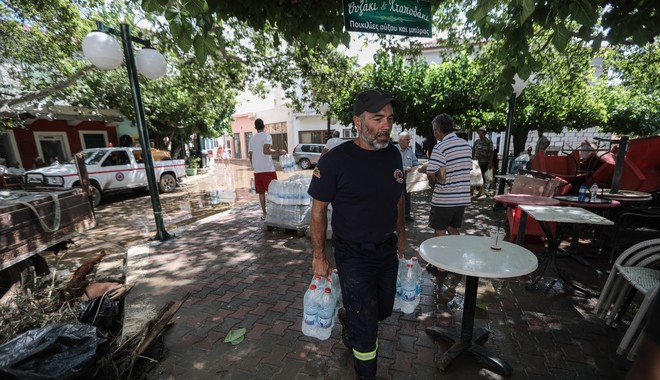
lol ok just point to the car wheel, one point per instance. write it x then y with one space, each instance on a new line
96 196
305 163
167 183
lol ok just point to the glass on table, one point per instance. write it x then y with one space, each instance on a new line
496 236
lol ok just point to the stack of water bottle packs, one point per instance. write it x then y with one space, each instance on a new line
408 285
320 305
288 204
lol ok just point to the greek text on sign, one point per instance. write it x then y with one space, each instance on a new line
401 17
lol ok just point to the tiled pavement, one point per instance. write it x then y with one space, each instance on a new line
241 275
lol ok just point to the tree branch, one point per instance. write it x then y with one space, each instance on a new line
40 94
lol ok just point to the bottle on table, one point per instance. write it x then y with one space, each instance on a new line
582 193
593 192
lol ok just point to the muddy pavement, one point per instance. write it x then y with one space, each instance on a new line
124 219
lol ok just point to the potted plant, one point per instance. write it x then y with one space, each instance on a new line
192 163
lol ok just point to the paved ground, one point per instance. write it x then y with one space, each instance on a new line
241 275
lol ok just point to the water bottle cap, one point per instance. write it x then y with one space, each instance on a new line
409 265
328 290
414 259
313 287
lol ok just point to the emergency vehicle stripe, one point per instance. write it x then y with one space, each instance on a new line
365 356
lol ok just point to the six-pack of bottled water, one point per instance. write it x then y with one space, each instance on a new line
320 305
288 163
408 285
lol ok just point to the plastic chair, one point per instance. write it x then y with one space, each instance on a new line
650 297
646 281
640 276
614 283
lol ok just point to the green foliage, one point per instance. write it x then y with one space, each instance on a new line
193 161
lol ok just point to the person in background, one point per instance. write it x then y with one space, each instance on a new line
39 163
364 182
449 177
261 158
482 151
647 362
333 142
542 144
409 161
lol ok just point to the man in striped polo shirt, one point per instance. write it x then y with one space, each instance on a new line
448 172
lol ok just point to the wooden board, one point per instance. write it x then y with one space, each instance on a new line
21 233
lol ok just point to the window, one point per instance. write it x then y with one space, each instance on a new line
237 145
279 141
52 146
93 139
348 134
248 137
311 137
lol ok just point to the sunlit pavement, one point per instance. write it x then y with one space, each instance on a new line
241 275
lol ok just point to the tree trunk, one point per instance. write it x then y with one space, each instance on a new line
519 139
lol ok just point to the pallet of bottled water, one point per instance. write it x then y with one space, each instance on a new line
408 285
288 204
291 191
320 305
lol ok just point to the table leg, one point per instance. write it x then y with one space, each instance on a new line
550 263
470 340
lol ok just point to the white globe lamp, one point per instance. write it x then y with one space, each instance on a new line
518 85
102 50
150 63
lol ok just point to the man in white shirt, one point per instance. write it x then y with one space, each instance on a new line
333 142
261 157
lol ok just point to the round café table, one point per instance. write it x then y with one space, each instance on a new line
513 213
599 203
525 199
626 195
473 257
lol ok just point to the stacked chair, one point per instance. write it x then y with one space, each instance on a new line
637 269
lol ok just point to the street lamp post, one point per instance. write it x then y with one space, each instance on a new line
518 87
324 111
104 52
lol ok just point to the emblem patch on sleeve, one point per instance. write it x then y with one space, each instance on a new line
398 175
317 172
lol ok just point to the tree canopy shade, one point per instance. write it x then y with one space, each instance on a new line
514 24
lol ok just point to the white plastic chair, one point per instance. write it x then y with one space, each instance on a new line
636 326
633 350
642 277
614 284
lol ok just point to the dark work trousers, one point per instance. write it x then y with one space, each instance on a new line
367 274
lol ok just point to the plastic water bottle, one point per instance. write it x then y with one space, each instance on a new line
326 314
398 294
310 311
336 290
252 188
582 193
408 289
593 192
418 278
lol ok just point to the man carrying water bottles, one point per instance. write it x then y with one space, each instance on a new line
364 182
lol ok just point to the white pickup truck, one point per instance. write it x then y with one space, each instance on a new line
111 169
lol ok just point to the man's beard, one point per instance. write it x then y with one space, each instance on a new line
371 138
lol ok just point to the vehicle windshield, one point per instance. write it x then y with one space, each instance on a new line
94 156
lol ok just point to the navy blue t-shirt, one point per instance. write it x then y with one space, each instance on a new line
364 188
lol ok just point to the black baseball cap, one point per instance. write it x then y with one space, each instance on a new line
373 101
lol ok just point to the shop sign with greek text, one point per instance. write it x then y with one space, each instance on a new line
401 17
